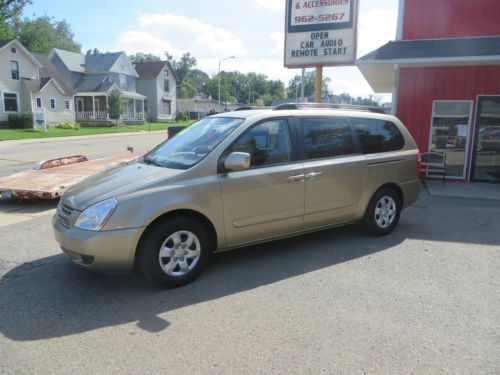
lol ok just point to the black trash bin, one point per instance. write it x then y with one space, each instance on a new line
173 130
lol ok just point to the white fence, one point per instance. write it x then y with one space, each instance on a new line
89 115
138 116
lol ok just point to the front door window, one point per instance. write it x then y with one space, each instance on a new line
486 166
450 133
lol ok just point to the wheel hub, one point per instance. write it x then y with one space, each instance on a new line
179 253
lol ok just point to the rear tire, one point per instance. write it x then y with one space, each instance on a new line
382 213
174 251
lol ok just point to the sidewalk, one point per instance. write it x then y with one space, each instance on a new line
461 190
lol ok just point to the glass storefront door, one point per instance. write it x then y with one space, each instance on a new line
449 135
486 158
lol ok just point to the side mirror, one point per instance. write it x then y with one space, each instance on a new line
237 161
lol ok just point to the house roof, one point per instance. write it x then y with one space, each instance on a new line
101 62
93 63
436 48
3 43
48 71
151 69
378 66
75 62
91 82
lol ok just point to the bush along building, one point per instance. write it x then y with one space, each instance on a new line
444 72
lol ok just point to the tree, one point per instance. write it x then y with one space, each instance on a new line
10 12
143 57
115 105
44 33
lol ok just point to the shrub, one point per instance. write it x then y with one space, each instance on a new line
21 120
66 125
182 116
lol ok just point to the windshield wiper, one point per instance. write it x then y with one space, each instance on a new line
150 161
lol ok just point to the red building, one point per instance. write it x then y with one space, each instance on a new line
444 72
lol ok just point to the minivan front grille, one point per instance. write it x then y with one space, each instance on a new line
64 215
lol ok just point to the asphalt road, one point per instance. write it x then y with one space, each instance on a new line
425 299
17 156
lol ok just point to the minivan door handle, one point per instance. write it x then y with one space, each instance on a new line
312 175
299 177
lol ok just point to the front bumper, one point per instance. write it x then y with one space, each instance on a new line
112 250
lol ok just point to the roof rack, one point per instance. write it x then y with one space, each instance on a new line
347 107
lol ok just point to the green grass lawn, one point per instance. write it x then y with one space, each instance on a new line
10 134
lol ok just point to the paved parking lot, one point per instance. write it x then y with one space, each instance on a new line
423 300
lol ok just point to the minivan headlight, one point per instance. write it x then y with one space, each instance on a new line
95 216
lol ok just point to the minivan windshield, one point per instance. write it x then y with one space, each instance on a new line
192 144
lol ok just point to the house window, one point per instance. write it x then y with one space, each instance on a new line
67 105
13 50
38 102
167 107
166 85
10 102
166 72
123 81
52 103
14 70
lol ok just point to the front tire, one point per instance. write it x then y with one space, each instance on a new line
174 251
382 213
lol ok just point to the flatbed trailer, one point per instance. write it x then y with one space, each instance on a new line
52 177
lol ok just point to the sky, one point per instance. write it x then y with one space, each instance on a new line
252 31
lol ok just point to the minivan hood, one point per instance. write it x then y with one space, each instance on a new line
123 179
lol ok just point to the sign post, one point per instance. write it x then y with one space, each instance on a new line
320 33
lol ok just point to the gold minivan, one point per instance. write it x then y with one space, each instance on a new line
236 179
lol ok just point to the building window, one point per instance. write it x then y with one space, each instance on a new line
166 85
10 102
13 50
52 103
123 81
166 72
449 133
167 107
14 70
38 102
67 105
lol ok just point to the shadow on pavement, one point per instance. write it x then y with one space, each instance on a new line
25 206
51 298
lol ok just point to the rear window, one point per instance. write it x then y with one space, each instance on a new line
378 135
326 137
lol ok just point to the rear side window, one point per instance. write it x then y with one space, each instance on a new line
326 137
378 135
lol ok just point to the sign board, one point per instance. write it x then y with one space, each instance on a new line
320 32
39 120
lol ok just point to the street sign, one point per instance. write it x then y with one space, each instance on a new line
320 33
